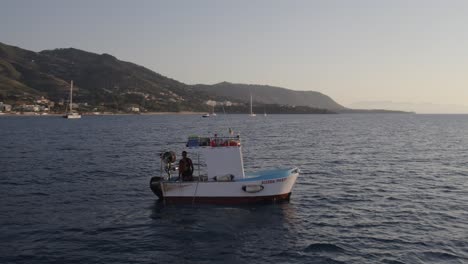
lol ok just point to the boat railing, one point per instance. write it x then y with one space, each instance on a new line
196 141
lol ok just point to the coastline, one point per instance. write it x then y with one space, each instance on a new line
39 114
100 113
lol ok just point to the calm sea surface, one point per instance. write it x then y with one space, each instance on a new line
373 189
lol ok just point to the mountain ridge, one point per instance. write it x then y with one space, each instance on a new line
100 79
104 82
268 94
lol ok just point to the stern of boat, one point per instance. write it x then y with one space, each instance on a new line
155 185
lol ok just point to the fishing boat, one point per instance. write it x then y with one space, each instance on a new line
225 181
70 114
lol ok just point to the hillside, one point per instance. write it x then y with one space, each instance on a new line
100 80
104 83
265 94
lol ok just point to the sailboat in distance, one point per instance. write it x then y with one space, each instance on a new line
251 112
70 114
213 112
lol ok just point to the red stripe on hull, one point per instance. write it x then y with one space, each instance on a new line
229 200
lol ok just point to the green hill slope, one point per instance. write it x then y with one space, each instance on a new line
104 82
99 80
271 95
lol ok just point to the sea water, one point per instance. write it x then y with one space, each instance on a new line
374 188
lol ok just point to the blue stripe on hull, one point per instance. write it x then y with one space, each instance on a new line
269 174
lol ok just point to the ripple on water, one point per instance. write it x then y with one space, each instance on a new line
373 189
324 247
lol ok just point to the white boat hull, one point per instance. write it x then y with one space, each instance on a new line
72 116
263 187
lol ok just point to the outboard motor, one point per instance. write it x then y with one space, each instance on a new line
167 159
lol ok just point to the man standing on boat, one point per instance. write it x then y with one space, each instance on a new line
185 168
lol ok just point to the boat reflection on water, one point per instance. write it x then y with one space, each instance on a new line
223 233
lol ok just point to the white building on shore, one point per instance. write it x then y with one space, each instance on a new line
5 107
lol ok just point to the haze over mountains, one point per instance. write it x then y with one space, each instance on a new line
421 108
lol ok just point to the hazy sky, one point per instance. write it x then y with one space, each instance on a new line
402 51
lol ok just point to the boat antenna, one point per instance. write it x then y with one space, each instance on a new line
227 120
71 96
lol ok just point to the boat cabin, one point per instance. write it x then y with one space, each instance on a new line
223 155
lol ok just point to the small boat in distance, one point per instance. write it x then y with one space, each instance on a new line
251 112
70 114
213 112
225 181
210 115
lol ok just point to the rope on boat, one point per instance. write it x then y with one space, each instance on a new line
227 119
199 177
195 194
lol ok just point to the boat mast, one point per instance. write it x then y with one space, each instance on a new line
250 104
71 95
